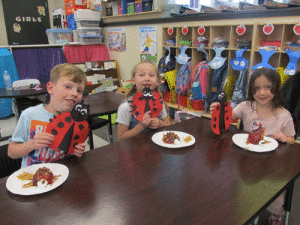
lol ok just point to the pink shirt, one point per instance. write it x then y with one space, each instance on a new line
282 123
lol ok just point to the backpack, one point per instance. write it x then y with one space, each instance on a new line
183 79
163 68
199 81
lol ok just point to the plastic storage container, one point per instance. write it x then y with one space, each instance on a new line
87 23
59 36
89 31
90 39
87 14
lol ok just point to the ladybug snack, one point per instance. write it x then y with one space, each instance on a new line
70 128
144 101
257 134
170 137
222 114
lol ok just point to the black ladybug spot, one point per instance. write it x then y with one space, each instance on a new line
60 125
154 104
76 137
81 126
215 119
226 111
225 104
227 118
68 119
54 132
154 109
214 126
218 107
75 145
137 113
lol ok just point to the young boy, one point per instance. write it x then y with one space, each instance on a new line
30 141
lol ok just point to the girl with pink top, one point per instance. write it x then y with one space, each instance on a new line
263 105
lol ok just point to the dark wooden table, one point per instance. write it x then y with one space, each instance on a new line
18 93
21 93
134 181
104 103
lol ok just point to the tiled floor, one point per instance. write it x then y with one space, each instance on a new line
101 138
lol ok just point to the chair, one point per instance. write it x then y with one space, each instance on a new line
7 164
95 123
25 102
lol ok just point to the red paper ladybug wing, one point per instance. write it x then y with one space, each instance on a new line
215 125
137 106
227 115
80 134
59 126
156 106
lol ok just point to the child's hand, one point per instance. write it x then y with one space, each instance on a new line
154 124
280 137
213 106
147 119
42 139
79 149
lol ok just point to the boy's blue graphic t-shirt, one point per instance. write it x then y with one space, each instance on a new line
35 119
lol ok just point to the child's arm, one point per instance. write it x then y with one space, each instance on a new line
157 123
18 150
284 138
124 132
214 105
79 149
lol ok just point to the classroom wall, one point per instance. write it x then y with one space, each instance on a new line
53 4
127 60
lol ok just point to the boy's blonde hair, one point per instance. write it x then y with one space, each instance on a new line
132 91
72 72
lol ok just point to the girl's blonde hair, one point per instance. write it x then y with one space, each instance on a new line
132 91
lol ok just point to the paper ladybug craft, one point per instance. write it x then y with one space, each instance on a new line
144 101
222 114
69 128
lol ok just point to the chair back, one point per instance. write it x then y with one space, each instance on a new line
19 84
7 164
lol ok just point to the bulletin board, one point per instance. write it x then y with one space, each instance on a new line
26 21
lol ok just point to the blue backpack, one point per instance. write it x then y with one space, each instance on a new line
183 79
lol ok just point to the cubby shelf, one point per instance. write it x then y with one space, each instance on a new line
282 32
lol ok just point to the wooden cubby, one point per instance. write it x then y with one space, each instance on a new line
114 73
254 32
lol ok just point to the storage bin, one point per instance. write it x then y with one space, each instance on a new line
89 31
198 105
167 96
87 14
147 6
87 23
138 7
130 8
90 39
59 36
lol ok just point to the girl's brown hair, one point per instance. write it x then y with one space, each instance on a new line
132 91
73 73
274 77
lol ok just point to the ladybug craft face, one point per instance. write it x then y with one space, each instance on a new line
144 101
80 112
69 128
222 115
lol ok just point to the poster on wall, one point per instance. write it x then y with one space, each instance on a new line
148 48
26 21
117 39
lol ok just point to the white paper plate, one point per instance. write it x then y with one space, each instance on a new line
14 185
157 139
241 139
